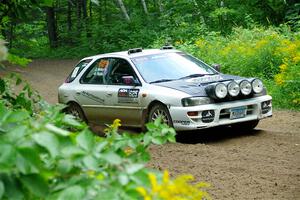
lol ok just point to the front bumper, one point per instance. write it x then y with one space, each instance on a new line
255 109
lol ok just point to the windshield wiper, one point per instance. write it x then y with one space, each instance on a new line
162 80
195 75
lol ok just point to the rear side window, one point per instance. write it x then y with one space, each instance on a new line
79 67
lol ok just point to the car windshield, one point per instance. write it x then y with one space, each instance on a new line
170 66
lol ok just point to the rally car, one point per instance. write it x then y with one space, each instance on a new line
138 86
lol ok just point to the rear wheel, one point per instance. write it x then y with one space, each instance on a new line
246 126
159 110
76 111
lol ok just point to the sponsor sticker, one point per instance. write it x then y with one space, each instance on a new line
128 95
92 97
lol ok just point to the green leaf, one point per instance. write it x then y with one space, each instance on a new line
64 166
131 169
123 179
71 151
112 158
18 116
85 140
48 141
158 140
57 130
171 138
35 184
28 160
2 189
71 121
90 162
7 156
12 188
16 134
74 192
147 139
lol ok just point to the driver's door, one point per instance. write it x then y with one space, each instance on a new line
124 98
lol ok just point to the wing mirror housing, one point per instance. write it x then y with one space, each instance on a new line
217 67
129 80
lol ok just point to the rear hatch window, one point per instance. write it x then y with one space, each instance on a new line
79 67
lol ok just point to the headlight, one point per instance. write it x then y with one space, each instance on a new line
221 90
246 87
216 90
233 88
257 86
195 101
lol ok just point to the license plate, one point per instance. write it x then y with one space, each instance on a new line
238 112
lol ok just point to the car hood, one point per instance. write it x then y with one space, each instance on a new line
196 86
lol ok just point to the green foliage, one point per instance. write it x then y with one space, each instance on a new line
46 154
271 54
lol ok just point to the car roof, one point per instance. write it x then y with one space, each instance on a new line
125 54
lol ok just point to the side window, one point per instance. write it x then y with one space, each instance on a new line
97 72
79 67
118 69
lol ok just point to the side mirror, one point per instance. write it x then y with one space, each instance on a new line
129 80
217 67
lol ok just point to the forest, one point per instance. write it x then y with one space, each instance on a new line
46 154
249 38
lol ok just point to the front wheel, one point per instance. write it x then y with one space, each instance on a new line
159 110
245 126
76 111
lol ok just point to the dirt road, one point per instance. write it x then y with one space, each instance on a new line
263 164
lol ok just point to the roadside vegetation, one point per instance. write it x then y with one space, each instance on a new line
45 154
261 42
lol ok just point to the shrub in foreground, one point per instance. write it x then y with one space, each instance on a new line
45 154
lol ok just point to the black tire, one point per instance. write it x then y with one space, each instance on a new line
76 111
160 110
245 126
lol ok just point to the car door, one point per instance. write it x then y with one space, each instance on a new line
123 99
91 92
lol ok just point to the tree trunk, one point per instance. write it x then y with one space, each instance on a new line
160 6
79 6
144 6
85 18
69 16
123 9
51 25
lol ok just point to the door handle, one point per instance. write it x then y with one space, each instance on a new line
77 92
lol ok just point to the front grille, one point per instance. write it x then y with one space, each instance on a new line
225 113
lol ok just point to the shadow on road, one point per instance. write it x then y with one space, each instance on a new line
210 135
213 135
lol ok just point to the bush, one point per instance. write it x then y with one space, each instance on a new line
270 54
45 154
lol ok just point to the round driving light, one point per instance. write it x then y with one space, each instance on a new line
245 87
257 86
233 88
221 90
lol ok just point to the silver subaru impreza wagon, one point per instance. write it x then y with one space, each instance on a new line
138 86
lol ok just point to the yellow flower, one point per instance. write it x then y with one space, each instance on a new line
296 59
166 177
144 193
91 173
200 43
178 189
279 79
128 151
116 124
261 43
283 67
